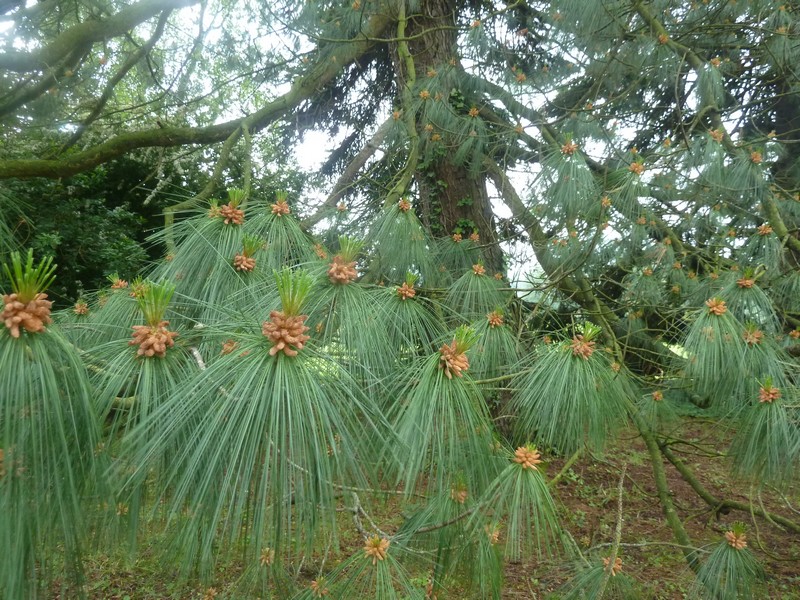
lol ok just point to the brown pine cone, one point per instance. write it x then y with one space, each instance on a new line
231 214
495 319
452 361
582 347
31 316
153 341
406 291
244 263
285 331
341 272
527 457
280 208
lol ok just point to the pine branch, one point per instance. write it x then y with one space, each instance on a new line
108 91
87 33
303 88
717 504
349 175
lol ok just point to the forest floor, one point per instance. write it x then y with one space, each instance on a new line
588 497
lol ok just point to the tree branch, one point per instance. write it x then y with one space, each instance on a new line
118 76
87 32
347 178
303 88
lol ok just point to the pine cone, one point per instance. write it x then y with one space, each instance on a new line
231 214
452 361
495 319
716 306
768 394
615 568
753 336
280 208
582 347
459 494
318 589
341 272
377 548
527 457
244 263
153 341
405 292
285 331
735 540
31 316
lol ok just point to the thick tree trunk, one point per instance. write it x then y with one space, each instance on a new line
459 199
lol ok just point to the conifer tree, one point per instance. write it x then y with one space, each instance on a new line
292 358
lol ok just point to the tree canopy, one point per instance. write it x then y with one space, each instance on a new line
594 204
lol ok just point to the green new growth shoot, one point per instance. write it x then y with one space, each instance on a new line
28 280
252 244
154 300
349 248
293 288
236 197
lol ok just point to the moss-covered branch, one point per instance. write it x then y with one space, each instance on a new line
303 88
87 32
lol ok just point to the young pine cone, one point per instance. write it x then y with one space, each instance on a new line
452 361
231 214
582 347
342 272
153 341
406 291
285 331
31 316
244 263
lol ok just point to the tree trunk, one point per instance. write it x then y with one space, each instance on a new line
455 198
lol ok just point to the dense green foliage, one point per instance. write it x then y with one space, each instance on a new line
632 166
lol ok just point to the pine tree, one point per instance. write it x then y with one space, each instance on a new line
290 359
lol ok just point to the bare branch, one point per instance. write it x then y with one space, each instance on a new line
347 178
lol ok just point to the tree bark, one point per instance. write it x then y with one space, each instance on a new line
461 197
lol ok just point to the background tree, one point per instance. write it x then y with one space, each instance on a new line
644 153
